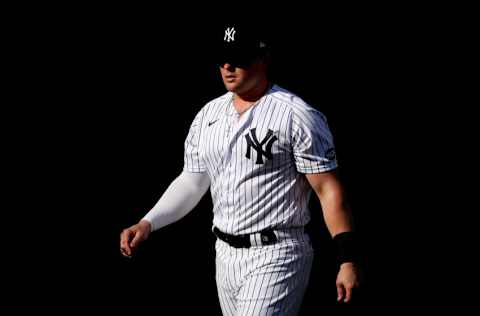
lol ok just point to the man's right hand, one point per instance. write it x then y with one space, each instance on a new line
131 237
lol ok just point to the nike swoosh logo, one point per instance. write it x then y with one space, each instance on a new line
213 122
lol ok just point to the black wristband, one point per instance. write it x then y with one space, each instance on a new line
346 247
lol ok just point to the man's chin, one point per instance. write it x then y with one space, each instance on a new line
231 87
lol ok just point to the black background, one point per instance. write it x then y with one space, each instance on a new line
105 100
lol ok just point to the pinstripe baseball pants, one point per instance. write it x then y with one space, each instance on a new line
263 280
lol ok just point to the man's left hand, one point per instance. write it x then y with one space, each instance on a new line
347 280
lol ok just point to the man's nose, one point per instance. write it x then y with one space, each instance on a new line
228 66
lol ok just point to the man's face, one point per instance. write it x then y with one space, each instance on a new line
241 78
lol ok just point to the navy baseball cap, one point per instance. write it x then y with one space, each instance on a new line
239 44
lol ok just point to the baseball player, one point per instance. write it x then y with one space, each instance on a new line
260 149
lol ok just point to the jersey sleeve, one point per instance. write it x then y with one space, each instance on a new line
312 142
193 161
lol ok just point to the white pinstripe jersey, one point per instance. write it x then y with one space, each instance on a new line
256 162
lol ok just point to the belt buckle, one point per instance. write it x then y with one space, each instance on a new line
268 237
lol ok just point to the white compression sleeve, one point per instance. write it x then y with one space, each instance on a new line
179 199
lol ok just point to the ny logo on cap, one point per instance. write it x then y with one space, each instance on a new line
229 34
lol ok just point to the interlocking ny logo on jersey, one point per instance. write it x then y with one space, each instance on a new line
258 146
229 34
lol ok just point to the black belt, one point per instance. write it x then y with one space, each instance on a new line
267 237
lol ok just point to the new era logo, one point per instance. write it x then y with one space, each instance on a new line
229 34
